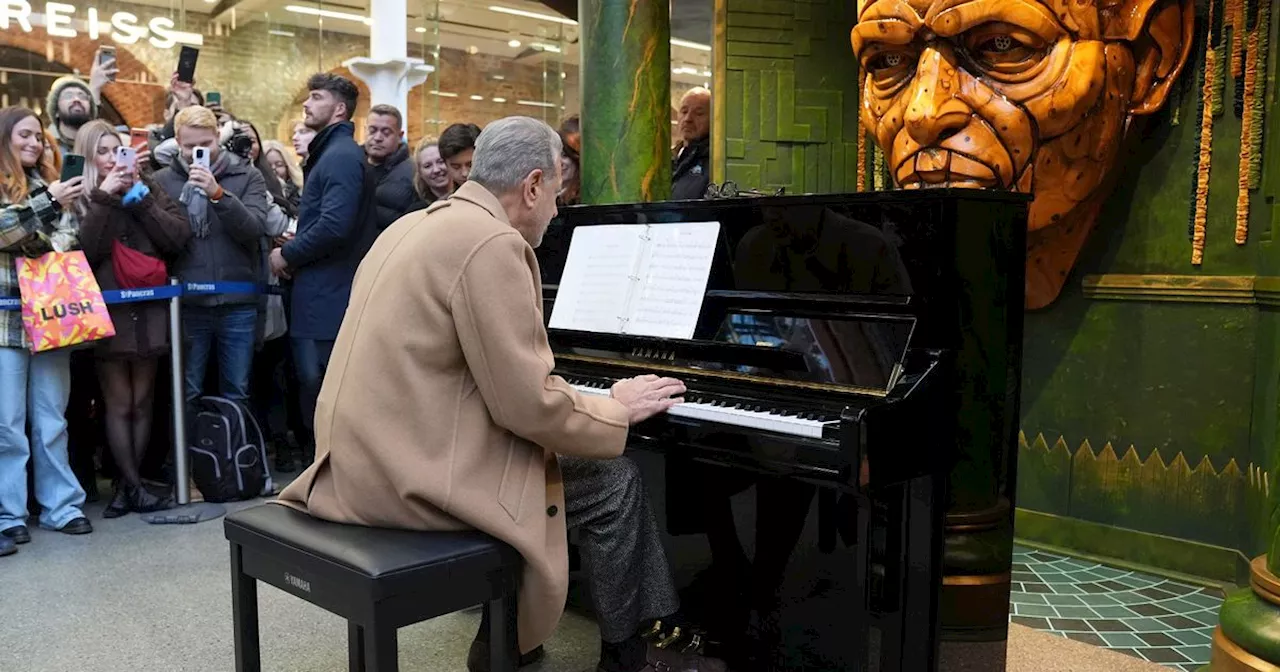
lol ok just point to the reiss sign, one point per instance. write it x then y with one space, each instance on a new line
59 20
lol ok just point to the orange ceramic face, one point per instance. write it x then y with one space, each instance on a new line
1027 95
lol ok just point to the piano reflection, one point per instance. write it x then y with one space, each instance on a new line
804 476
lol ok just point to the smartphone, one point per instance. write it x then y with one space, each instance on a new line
212 98
187 64
72 167
199 156
107 56
138 137
126 158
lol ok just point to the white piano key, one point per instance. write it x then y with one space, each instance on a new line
737 417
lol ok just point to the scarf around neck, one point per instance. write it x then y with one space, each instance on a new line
195 198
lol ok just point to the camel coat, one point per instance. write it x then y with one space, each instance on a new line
439 410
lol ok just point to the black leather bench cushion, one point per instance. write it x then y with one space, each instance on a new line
372 552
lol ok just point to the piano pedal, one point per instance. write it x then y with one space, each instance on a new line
654 632
669 639
695 646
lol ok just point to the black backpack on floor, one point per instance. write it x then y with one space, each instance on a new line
227 452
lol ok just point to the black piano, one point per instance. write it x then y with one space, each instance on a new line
845 349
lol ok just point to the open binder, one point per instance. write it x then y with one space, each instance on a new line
638 279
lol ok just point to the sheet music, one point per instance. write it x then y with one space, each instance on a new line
597 277
673 279
636 279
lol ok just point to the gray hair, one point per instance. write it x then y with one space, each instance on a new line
511 148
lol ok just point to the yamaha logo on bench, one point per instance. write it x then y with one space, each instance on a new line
300 584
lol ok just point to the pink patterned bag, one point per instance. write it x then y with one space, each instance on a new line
61 302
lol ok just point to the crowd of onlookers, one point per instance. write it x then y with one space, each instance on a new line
208 200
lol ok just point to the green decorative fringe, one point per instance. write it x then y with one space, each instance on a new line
1218 40
1263 26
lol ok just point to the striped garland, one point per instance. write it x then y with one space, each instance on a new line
1245 103
862 158
1201 209
879 168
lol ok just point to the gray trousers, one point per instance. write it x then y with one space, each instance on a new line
620 548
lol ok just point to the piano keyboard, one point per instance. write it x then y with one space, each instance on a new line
792 424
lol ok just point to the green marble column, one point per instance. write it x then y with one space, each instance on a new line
1248 634
626 100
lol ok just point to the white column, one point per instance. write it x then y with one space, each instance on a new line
388 72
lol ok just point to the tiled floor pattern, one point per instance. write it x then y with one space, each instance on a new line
1147 616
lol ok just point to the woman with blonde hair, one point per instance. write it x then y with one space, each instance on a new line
285 168
431 178
126 223
33 387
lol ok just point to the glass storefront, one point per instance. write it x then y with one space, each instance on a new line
486 59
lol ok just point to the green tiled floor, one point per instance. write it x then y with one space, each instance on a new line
1142 615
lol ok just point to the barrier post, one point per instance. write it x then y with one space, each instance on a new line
182 470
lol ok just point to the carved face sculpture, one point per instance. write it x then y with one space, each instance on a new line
1030 95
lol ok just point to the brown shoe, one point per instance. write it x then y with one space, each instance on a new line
666 660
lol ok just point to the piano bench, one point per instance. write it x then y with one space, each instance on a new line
377 579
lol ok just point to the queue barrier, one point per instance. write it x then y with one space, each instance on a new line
173 293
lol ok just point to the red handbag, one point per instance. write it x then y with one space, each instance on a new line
135 270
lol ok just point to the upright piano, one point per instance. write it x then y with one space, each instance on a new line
848 350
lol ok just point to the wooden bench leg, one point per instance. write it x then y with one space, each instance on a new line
244 614
381 651
504 651
355 647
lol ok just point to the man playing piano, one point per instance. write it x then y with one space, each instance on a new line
439 410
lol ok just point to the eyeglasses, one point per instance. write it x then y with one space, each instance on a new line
730 190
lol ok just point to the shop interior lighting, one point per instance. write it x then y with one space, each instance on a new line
475 97
499 100
513 43
328 14
534 103
280 33
675 42
532 15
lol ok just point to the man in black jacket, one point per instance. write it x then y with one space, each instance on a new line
392 171
331 240
691 165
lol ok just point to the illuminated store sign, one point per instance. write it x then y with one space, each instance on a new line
59 20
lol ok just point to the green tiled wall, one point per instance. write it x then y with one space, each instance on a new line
791 87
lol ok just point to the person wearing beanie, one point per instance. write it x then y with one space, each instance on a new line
71 104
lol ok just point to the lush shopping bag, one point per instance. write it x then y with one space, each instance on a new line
61 302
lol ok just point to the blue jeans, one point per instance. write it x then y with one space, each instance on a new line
36 388
233 330
310 359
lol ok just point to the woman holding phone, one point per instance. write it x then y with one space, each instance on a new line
33 387
127 227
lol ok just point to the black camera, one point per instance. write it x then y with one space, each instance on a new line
239 144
